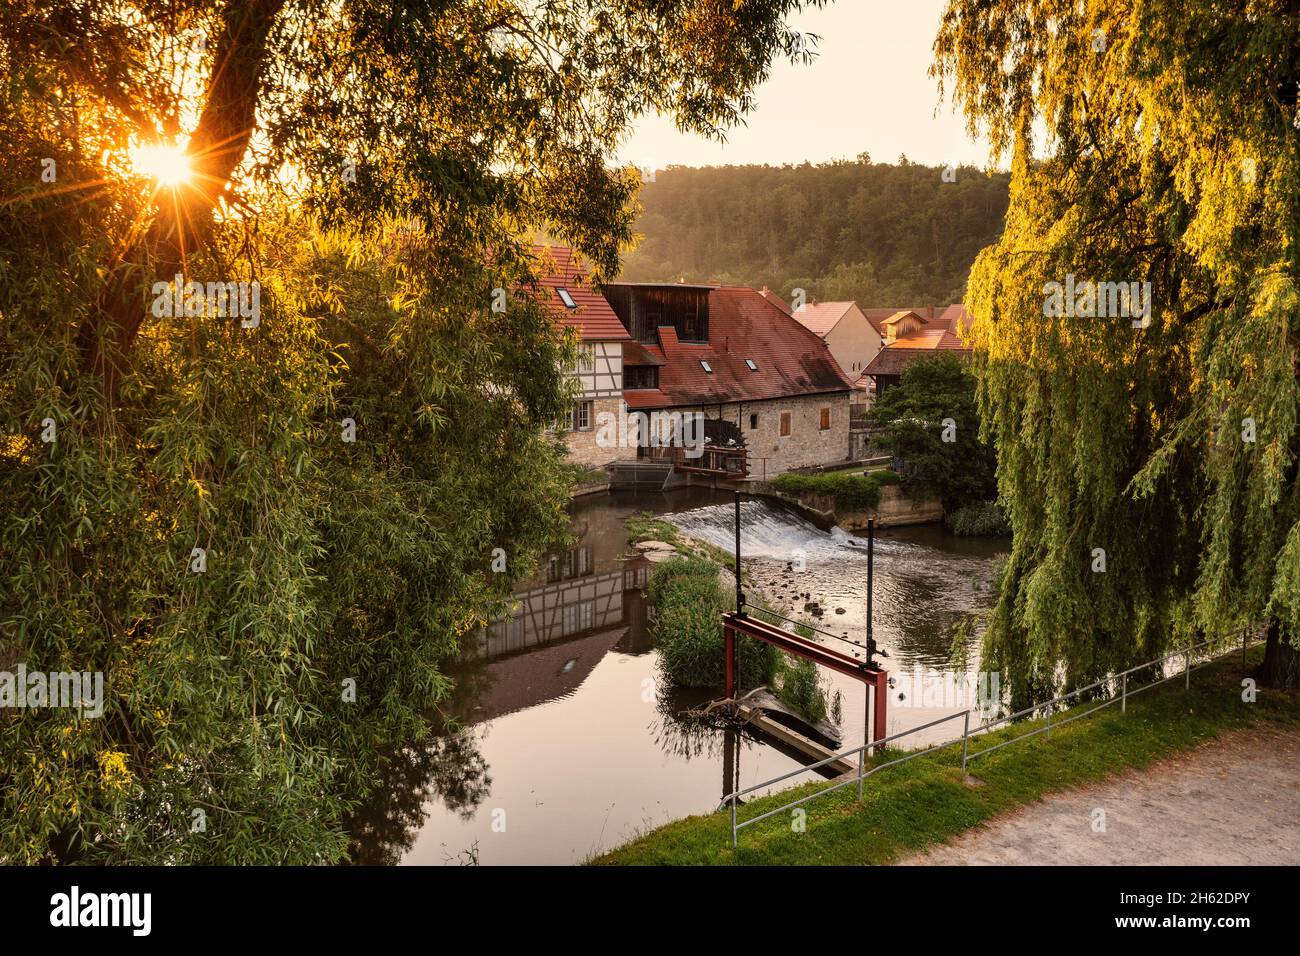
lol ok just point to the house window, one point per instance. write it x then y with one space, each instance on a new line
753 422
785 424
706 366
580 616
640 376
752 366
826 419
573 563
567 299
580 418
692 328
586 356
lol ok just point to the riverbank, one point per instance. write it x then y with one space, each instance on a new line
926 801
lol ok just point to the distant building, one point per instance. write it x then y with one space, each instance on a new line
571 298
772 395
907 335
845 329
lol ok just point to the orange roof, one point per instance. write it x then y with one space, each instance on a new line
592 317
930 338
903 351
947 318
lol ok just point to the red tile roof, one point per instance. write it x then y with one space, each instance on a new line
892 360
593 318
940 333
902 352
743 324
775 299
635 354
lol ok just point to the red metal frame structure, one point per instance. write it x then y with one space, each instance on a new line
738 622
734 623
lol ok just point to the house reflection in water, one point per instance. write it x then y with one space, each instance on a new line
559 631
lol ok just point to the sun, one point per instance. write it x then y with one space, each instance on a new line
167 164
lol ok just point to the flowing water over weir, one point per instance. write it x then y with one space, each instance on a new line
570 742
925 579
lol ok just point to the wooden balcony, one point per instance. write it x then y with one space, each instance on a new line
716 460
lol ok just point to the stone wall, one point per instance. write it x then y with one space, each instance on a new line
896 508
583 446
807 444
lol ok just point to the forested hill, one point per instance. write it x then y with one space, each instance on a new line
884 235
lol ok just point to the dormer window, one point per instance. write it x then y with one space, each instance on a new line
706 366
752 366
567 299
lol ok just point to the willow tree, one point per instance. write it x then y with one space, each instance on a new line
1147 456
266 531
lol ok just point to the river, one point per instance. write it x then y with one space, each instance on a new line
570 744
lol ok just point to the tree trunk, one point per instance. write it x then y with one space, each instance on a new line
184 217
1281 667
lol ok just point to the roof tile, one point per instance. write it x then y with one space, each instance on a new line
593 318
743 324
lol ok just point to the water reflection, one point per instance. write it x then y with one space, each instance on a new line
560 740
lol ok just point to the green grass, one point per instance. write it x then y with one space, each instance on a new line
856 470
644 526
926 800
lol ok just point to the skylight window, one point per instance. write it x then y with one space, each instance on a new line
566 298
752 366
706 366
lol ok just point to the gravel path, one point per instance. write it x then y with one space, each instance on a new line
1235 800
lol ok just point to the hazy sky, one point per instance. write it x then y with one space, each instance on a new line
866 90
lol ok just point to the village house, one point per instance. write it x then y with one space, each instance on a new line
568 293
770 392
844 327
907 335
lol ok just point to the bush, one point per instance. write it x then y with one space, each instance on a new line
690 600
801 690
979 520
851 491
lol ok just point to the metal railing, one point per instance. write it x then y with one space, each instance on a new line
966 733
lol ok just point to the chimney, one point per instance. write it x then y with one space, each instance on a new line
931 318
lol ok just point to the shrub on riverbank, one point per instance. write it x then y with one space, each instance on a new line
801 690
689 600
983 519
851 491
